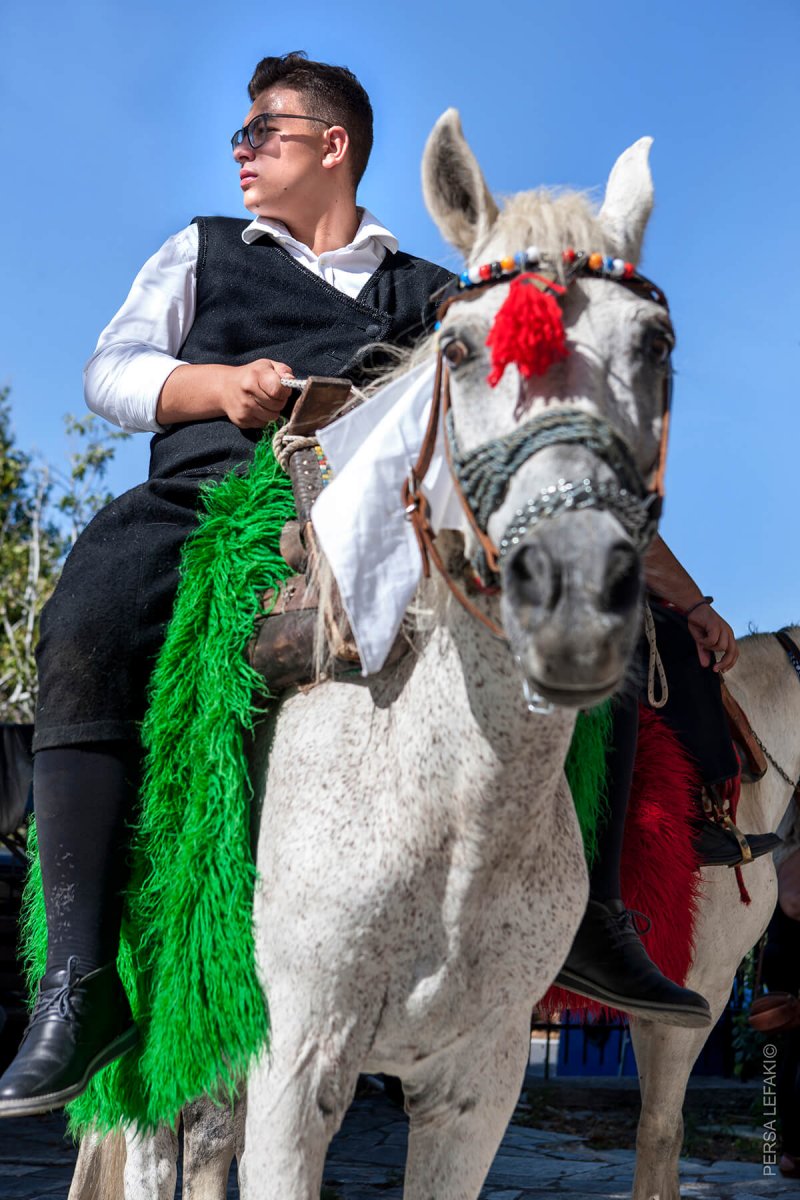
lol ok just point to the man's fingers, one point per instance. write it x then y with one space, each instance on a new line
270 392
703 655
729 657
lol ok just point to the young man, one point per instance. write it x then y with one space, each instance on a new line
213 322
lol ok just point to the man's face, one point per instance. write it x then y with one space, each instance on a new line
287 166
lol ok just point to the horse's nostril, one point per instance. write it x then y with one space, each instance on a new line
623 579
536 578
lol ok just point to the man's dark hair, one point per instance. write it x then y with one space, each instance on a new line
332 93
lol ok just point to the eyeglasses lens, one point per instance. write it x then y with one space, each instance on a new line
257 131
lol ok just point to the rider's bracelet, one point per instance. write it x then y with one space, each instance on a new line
705 600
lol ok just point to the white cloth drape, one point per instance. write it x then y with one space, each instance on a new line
359 518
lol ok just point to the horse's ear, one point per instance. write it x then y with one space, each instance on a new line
629 199
453 185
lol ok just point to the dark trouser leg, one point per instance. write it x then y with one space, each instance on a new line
101 632
607 961
84 798
604 875
695 713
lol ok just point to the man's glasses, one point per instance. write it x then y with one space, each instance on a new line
258 130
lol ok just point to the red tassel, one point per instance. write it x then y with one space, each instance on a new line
528 330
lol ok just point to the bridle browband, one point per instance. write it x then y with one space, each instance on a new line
482 476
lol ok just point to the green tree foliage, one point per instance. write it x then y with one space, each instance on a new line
42 511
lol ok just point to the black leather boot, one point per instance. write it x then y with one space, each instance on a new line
608 963
719 846
78 1025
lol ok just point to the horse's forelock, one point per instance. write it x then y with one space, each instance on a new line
549 219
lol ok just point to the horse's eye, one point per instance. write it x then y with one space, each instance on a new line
658 346
455 350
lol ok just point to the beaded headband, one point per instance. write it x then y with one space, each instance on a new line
528 260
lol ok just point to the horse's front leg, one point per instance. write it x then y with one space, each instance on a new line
212 1135
460 1108
297 1097
151 1164
100 1167
665 1055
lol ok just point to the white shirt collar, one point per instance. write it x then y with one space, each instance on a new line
369 229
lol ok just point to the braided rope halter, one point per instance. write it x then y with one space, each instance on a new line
482 475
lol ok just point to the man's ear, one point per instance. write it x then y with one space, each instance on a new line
455 191
338 146
629 200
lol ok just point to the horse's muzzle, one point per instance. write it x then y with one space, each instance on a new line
571 602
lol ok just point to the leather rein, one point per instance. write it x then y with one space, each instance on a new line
636 504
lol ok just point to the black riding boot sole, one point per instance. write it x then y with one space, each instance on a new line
32 1106
685 1015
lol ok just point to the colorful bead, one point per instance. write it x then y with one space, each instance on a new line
324 466
525 260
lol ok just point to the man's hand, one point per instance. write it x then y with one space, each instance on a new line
713 635
253 395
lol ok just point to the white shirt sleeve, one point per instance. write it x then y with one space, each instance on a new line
136 351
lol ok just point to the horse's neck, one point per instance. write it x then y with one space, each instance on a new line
463 713
766 686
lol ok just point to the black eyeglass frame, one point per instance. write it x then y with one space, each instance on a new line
245 131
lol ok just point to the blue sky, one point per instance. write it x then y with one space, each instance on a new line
114 127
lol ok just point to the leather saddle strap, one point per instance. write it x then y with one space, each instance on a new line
418 510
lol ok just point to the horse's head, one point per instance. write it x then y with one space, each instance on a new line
554 465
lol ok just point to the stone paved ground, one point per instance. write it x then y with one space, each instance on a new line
366 1162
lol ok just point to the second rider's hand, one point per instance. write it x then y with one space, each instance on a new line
253 395
713 636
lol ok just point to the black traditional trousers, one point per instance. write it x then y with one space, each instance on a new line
104 626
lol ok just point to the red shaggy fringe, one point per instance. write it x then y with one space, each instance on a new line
659 872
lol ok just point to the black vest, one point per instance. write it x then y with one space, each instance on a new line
254 301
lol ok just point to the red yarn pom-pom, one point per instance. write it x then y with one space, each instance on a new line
528 330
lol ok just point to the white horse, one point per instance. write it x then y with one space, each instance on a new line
766 686
422 871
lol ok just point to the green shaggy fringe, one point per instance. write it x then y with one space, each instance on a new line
586 773
187 956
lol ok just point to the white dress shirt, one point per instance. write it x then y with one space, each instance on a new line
136 351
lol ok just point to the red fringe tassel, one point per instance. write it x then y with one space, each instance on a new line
659 863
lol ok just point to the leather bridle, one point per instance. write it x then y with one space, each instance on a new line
636 503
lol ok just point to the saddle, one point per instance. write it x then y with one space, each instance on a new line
282 649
